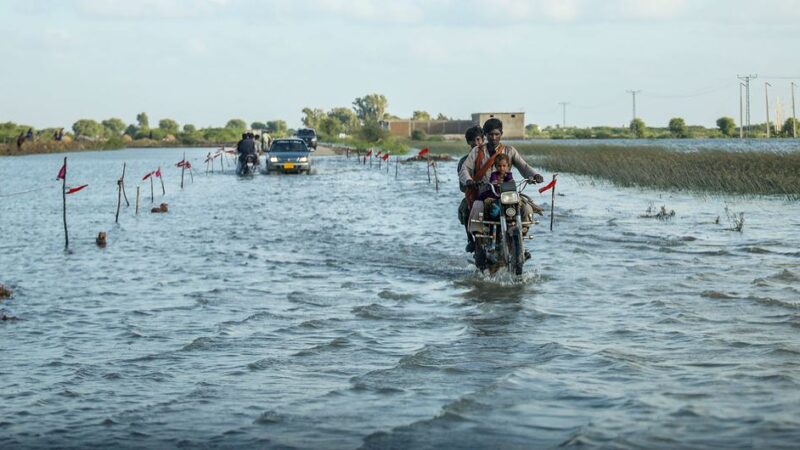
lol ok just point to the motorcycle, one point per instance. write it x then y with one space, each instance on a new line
500 238
247 164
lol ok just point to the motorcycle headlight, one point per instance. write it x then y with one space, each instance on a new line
509 198
302 159
511 212
273 159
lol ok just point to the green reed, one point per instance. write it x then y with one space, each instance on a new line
717 171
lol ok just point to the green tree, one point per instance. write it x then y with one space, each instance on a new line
132 130
532 130
329 126
370 108
726 125
276 127
638 128
168 125
236 124
144 122
312 117
442 117
88 128
258 126
419 135
789 127
189 128
677 126
114 126
346 118
420 115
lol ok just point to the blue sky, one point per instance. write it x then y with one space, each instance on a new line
207 61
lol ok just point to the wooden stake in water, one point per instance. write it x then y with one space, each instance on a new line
119 199
124 195
429 169
137 200
183 167
552 202
161 177
64 201
152 198
435 175
396 163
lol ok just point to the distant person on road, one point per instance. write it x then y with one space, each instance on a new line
476 167
475 138
29 134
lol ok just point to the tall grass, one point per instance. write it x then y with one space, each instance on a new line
717 171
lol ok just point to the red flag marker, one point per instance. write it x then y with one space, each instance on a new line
549 186
385 156
148 176
62 173
423 152
369 153
158 173
75 189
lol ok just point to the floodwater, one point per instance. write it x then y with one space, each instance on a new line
339 310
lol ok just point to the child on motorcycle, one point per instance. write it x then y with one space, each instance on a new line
501 174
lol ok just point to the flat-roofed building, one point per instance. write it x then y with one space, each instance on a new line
404 128
513 122
513 125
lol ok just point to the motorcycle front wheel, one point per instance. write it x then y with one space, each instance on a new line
517 251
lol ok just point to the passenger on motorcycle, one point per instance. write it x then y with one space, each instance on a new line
475 170
475 138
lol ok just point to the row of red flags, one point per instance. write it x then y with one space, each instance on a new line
62 174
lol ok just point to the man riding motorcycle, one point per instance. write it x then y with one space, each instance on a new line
476 170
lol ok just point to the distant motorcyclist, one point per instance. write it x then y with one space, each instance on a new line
245 147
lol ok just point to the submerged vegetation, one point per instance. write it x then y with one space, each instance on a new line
718 171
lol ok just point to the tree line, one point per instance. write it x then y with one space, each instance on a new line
675 129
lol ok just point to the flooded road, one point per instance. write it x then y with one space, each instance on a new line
339 310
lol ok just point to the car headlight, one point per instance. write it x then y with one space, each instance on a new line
273 159
509 198
302 159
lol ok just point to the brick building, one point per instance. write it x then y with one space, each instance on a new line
513 125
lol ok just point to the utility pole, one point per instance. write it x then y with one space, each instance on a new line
633 93
746 80
794 116
564 114
741 112
766 98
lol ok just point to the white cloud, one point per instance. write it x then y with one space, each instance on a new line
393 11
651 9
150 8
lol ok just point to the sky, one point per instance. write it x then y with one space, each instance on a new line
207 61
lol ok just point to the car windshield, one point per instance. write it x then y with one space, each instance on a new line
305 133
288 146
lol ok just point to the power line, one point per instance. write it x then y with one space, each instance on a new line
633 93
564 114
